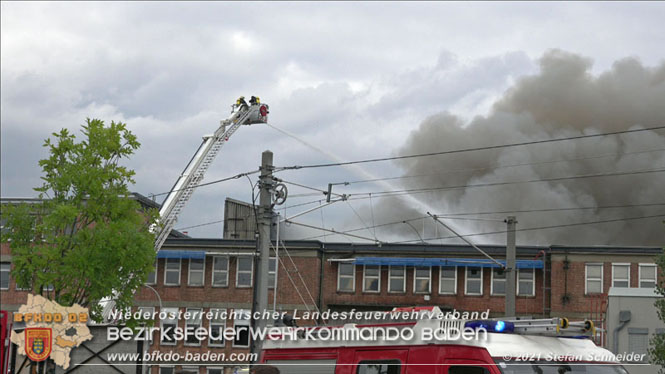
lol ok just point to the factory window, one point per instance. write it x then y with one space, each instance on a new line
220 271
272 266
422 282
172 272
168 324
196 272
621 275
4 275
647 274
448 280
166 370
474 281
152 277
397 279
346 277
217 326
372 278
526 284
146 313
193 322
241 327
215 371
498 282
594 278
244 272
189 370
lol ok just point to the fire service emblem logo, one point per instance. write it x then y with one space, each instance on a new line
38 343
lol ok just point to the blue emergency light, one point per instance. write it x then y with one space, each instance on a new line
491 326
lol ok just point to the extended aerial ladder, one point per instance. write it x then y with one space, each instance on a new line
242 114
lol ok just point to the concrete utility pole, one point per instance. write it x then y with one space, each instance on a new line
511 270
263 248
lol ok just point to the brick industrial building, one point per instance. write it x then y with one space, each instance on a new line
217 275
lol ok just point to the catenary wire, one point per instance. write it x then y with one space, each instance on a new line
297 167
485 233
358 195
237 176
455 215
441 172
542 227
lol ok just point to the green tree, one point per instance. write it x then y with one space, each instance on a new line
87 240
657 350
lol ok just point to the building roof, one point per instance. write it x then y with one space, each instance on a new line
605 249
348 250
632 292
141 199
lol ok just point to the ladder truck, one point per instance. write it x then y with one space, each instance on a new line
242 113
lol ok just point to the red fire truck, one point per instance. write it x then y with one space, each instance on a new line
427 346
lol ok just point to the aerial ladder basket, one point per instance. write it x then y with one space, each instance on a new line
242 113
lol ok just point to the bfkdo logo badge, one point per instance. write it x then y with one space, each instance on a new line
38 343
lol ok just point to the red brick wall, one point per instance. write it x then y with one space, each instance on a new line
11 299
574 280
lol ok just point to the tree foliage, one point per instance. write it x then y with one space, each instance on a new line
657 349
87 239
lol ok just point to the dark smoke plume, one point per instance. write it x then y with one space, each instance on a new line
564 99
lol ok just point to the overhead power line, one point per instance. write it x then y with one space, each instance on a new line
457 215
494 167
367 195
237 176
485 233
296 167
428 189
542 227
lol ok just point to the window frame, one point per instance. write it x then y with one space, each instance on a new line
532 281
639 274
151 310
391 277
245 323
271 285
202 271
212 322
372 277
251 271
586 277
625 264
8 271
153 282
441 279
188 324
416 277
166 367
352 276
505 283
226 277
466 280
161 324
167 270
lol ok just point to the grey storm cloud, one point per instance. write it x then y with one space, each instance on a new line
563 99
